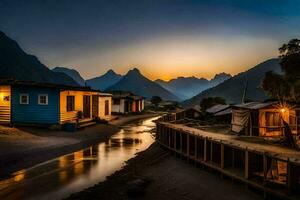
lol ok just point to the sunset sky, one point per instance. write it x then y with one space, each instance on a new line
164 39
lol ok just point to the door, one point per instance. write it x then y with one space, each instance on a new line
106 109
86 106
95 106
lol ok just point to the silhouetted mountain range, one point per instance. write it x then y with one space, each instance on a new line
135 82
105 81
232 89
18 65
75 75
187 87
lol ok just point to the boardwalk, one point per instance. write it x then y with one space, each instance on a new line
273 169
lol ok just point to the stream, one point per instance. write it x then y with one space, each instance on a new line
62 176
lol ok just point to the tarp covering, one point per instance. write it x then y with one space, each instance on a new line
240 119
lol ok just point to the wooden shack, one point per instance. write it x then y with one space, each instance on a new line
263 119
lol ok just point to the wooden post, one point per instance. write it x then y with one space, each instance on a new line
188 144
289 179
175 140
211 152
205 151
233 158
246 164
169 133
180 141
265 166
222 156
196 147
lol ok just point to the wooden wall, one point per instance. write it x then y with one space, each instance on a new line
33 113
102 100
5 92
72 115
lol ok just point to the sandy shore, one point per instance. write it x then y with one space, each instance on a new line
24 147
156 174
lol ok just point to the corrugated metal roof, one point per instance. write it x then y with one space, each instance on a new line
217 108
254 105
224 112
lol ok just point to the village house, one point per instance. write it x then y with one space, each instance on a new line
263 119
221 112
50 104
126 102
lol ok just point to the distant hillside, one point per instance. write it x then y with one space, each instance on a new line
105 81
72 73
187 87
232 89
16 64
135 82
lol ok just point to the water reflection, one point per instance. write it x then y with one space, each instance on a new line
57 178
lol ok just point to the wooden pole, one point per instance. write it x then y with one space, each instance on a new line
246 164
196 147
188 144
222 156
265 167
205 149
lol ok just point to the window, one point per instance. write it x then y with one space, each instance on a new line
43 99
273 121
106 111
70 103
116 101
24 99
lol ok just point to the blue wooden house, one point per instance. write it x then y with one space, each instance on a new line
50 104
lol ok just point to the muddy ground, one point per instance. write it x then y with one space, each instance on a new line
156 174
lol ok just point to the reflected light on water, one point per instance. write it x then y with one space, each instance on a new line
73 172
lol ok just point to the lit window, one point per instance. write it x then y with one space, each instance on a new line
70 103
43 99
24 99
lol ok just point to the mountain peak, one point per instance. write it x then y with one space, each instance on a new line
222 74
134 71
111 72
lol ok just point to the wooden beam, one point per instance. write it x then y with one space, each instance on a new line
246 164
222 156
205 150
188 144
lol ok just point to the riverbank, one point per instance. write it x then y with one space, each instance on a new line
24 147
156 174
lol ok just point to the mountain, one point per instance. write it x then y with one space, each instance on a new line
103 82
232 89
187 87
18 65
219 78
72 73
135 82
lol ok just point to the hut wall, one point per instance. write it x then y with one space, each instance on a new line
33 113
102 107
78 106
5 101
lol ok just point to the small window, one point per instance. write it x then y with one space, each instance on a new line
24 99
70 103
43 99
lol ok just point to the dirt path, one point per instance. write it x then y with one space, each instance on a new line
156 174
21 148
